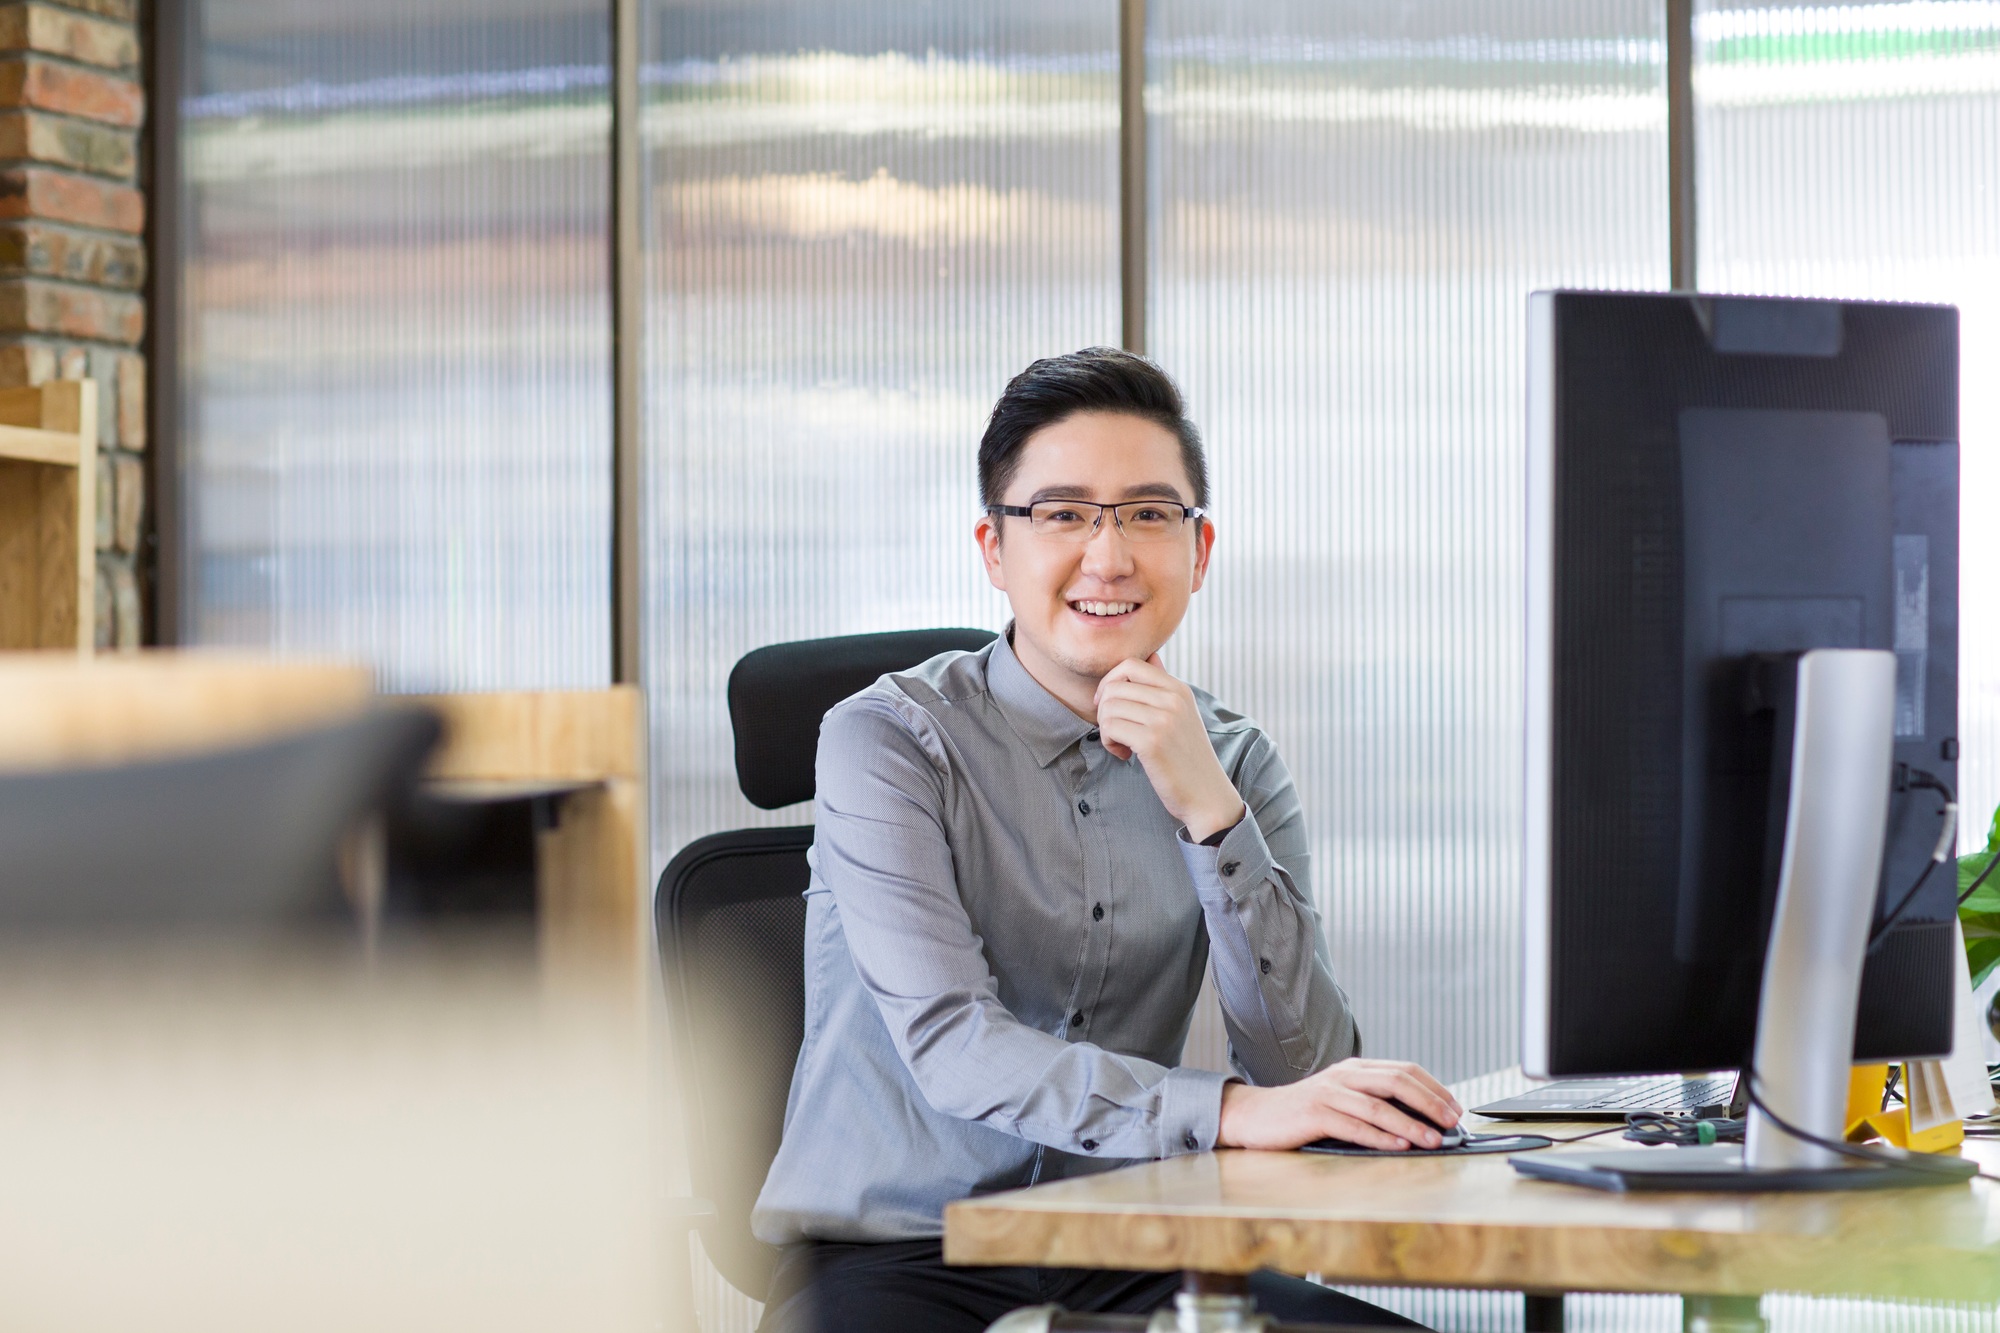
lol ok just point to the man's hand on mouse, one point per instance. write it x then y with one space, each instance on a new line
1144 711
1348 1101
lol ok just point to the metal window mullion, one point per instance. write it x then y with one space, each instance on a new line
165 31
627 305
1680 144
1132 171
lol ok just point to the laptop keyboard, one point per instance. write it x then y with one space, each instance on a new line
1667 1095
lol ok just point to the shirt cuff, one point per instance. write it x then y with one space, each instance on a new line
1190 1111
1231 870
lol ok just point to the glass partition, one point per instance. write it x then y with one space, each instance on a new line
863 217
1352 202
396 333
1854 151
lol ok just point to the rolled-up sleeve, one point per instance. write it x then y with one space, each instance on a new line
1285 1015
882 850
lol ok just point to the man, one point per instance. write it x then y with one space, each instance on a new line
1025 858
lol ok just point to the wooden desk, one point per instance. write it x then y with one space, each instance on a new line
1472 1222
588 748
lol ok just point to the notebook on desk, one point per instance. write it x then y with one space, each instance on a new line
1615 1098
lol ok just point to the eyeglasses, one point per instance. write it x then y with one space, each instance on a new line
1079 520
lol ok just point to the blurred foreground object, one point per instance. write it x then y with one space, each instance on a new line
211 1139
249 835
223 1115
57 711
573 759
190 789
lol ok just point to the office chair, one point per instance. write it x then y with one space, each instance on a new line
246 836
731 917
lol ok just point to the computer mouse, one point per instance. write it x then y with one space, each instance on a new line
1452 1137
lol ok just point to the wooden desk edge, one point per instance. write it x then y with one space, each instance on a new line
1514 1256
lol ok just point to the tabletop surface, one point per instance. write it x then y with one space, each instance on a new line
1473 1222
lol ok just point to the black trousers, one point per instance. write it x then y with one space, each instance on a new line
905 1287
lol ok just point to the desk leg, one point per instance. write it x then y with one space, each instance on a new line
1544 1313
1721 1314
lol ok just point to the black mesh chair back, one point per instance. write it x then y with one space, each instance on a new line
731 917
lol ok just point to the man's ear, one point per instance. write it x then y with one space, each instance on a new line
987 533
1204 543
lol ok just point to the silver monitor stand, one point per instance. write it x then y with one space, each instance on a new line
1834 830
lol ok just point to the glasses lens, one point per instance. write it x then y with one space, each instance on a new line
1064 520
1150 520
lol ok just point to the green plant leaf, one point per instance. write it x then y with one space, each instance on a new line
1982 956
1987 897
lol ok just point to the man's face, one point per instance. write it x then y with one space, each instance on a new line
1081 608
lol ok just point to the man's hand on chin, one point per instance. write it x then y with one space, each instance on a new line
1144 711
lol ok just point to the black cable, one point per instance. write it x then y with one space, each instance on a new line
1881 932
1922 781
1594 1134
1650 1127
1972 888
1916 1161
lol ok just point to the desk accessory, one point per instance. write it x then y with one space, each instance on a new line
1471 1145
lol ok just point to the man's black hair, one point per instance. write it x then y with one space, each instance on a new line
1096 379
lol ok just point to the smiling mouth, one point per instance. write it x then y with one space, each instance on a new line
1104 610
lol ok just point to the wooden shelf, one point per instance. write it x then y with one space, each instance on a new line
48 516
29 445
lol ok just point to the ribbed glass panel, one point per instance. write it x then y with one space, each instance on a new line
1585 1312
864 216
1854 151
1353 201
397 336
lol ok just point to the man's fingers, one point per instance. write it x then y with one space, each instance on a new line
1388 1118
1149 671
1135 706
1438 1090
1407 1084
1164 696
1424 1093
1353 1129
1128 721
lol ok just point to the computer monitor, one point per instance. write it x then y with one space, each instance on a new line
1716 485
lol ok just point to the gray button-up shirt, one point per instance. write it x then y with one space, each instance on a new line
1005 935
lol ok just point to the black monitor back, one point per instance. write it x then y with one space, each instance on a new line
1715 483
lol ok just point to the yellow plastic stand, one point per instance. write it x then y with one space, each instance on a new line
1866 1119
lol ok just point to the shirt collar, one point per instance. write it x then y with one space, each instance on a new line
1038 717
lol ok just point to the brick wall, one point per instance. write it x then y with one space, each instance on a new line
72 259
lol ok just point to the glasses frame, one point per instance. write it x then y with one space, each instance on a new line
1193 513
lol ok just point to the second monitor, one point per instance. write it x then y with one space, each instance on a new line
1717 485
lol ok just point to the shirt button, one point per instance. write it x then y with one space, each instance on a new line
1076 1019
1083 807
1097 912
1231 867
1090 735
1090 1145
1190 1142
1263 965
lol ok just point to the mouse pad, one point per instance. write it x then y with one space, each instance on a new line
1479 1143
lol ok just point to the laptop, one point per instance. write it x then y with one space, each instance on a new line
1615 1098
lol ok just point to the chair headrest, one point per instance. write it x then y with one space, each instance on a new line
777 696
